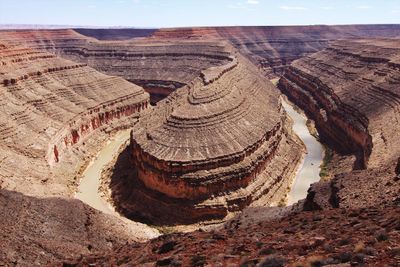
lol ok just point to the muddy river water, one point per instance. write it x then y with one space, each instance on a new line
91 178
308 171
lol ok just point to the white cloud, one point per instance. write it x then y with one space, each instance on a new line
363 7
253 2
327 8
299 8
237 6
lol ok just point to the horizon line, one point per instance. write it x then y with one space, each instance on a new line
24 26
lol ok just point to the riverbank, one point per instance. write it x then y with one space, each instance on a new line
309 170
88 189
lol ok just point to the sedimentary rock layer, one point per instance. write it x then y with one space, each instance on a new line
115 34
352 91
50 108
215 145
144 61
273 48
55 114
176 55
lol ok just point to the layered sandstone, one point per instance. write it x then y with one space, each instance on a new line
50 108
352 91
212 147
273 48
54 116
176 56
159 66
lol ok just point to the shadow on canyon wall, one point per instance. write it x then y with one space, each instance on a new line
139 203
43 230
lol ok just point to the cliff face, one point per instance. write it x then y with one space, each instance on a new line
115 34
177 56
274 48
55 115
149 62
53 106
214 146
352 91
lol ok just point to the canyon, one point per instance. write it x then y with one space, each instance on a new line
210 145
208 149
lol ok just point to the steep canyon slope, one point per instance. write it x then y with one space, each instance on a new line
217 141
54 116
273 48
351 90
210 148
159 66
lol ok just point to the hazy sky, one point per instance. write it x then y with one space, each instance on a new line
170 13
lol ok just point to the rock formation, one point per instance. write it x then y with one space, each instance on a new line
213 146
159 66
115 34
54 116
217 141
273 48
51 107
352 92
166 58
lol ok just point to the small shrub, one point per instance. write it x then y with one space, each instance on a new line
272 261
359 247
197 261
382 236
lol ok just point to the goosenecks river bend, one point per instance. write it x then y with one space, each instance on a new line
307 173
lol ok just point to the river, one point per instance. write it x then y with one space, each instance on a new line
91 177
309 169
307 173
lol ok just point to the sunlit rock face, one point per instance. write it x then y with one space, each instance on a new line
52 108
352 91
273 48
213 146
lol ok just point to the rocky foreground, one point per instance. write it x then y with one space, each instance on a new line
367 236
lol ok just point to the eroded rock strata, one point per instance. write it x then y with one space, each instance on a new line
150 62
213 146
351 90
176 55
54 116
51 107
273 48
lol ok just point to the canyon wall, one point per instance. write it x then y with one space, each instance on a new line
273 48
50 108
212 147
160 57
55 115
351 90
115 33
158 65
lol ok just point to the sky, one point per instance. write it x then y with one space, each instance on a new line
186 13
